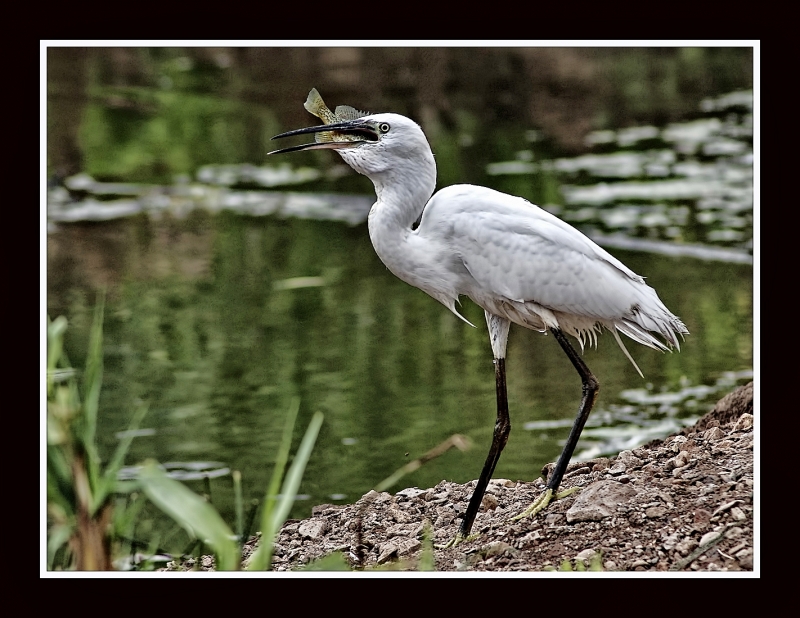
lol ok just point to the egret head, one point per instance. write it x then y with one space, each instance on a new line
371 144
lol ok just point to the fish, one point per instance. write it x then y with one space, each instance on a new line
316 106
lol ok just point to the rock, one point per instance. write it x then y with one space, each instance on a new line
586 555
728 409
710 537
715 433
599 500
411 493
617 469
313 528
744 423
685 546
402 547
629 459
489 502
701 519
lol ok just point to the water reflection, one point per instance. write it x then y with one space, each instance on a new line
644 414
690 183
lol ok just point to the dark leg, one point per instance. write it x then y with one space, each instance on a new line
502 428
590 390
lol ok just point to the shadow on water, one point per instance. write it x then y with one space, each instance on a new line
235 285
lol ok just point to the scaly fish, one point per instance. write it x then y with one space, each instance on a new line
315 105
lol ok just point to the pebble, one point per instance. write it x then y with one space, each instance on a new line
489 502
400 547
599 500
586 554
617 469
710 537
629 459
685 546
745 558
744 423
313 528
411 493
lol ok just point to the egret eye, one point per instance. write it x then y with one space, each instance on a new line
384 127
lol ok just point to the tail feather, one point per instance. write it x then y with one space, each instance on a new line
641 331
625 350
640 335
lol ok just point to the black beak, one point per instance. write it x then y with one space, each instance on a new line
343 135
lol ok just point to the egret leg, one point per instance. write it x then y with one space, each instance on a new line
498 337
591 388
502 428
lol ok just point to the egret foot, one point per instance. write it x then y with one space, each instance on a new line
542 501
456 540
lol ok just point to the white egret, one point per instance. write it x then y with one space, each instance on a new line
518 262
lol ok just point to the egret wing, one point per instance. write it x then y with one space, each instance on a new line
518 251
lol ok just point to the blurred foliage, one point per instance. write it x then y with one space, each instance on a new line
89 519
82 520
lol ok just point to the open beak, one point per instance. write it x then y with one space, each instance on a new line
333 136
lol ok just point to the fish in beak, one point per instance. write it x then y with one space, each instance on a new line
346 127
333 136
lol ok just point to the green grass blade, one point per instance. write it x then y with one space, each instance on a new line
192 513
426 557
273 520
296 470
108 481
57 537
93 377
281 457
258 562
238 505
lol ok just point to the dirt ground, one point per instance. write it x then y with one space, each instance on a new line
684 503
